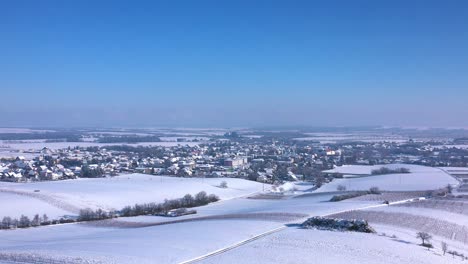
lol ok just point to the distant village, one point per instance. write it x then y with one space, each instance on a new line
264 159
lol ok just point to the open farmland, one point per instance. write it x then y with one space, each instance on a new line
113 193
314 246
237 225
442 228
132 240
15 205
390 196
452 205
420 178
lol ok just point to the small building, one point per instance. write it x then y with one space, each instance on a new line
235 162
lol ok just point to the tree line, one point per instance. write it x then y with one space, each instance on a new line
188 201
385 170
24 221
128 139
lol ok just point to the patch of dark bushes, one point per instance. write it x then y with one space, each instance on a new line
323 223
187 201
341 197
385 170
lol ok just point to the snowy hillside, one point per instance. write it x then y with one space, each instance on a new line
419 178
112 193
314 246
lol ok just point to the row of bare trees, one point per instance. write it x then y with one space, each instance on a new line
24 221
426 242
187 201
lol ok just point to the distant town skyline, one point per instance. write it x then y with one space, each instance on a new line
233 64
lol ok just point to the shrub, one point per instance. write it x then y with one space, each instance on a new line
341 188
385 170
338 224
427 245
187 201
444 247
341 197
223 184
374 190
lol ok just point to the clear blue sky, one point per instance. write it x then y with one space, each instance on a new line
233 63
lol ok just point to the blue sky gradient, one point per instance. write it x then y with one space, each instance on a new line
234 63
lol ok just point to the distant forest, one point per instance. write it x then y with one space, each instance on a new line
49 136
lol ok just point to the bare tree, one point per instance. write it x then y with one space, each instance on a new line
24 221
425 237
444 247
36 220
6 222
45 218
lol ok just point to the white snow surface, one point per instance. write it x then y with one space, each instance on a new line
178 242
120 191
170 243
367 169
166 244
313 246
420 178
16 205
432 213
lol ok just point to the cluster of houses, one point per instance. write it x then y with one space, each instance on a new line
217 159
265 161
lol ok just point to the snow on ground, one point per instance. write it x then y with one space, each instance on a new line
455 170
16 205
187 139
420 178
120 191
436 214
219 225
159 244
170 243
6 153
313 246
292 209
453 146
326 138
367 169
409 236
252 136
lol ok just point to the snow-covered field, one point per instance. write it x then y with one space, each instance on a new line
458 146
326 138
170 243
427 212
367 169
116 192
16 205
312 246
455 170
243 227
158 244
420 178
